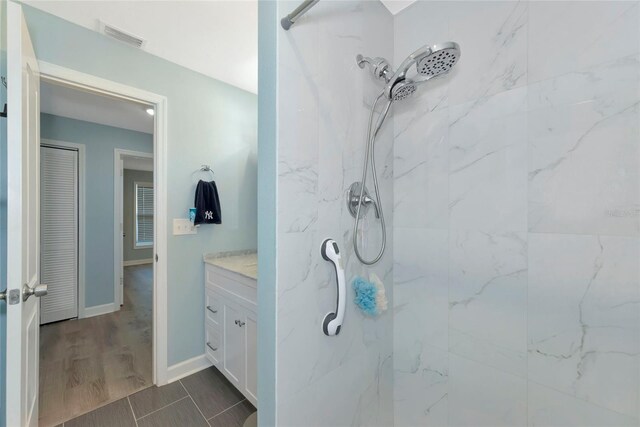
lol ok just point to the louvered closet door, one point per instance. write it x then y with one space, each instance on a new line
59 233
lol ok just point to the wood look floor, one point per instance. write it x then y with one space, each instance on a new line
87 363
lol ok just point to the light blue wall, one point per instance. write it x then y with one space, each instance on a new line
100 142
267 173
3 210
209 122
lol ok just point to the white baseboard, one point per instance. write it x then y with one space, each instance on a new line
98 310
187 367
137 262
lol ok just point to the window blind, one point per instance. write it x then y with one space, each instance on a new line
144 214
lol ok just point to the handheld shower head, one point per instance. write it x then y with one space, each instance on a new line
403 89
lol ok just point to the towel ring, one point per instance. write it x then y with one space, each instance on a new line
204 168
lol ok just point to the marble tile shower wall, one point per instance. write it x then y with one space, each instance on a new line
323 106
516 218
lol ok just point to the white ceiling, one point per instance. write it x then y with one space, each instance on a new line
77 104
217 38
396 6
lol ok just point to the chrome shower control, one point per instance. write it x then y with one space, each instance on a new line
353 198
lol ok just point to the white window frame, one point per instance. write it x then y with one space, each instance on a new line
136 244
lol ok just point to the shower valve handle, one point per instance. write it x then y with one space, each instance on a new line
353 200
367 200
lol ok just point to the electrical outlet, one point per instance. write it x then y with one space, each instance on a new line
183 226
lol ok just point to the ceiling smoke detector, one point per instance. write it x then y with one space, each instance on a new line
121 35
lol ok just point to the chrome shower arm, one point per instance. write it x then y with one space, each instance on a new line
380 67
291 18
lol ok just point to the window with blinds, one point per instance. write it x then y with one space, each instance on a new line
144 214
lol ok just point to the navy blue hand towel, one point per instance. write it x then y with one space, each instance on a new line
207 204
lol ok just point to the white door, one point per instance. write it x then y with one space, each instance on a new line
59 233
23 223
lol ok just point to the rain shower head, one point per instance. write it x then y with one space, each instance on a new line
441 59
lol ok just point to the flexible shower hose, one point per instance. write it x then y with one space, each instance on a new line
370 153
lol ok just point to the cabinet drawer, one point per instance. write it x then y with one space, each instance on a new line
212 307
213 343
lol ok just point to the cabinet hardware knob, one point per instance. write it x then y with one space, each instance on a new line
212 348
241 324
211 309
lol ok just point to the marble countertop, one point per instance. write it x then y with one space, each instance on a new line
244 263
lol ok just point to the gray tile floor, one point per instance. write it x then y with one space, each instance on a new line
205 398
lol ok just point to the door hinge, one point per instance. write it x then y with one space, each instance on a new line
156 257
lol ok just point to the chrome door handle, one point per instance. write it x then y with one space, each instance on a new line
3 295
38 291
212 348
211 309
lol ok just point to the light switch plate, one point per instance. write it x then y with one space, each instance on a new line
183 226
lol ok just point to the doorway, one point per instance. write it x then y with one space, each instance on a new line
133 214
96 334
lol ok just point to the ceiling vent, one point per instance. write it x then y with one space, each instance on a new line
120 35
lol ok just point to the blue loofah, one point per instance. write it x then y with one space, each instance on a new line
365 296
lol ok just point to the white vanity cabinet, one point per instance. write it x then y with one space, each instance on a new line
231 331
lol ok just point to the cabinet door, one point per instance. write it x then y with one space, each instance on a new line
234 344
251 377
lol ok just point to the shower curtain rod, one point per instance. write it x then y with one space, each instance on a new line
291 18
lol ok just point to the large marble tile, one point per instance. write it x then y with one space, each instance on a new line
298 130
548 407
488 163
420 311
483 396
566 36
583 318
488 298
583 151
421 385
493 40
353 395
610 86
421 169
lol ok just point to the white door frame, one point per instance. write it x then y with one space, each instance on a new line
118 220
81 213
87 82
